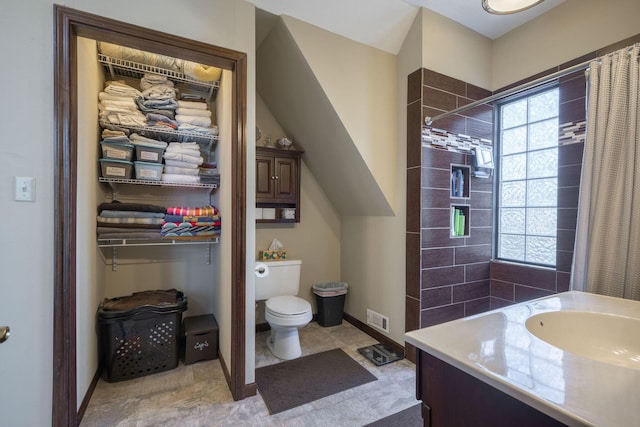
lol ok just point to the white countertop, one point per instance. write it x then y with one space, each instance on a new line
497 348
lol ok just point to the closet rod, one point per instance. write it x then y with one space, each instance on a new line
545 79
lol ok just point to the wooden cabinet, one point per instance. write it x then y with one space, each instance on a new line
278 182
453 398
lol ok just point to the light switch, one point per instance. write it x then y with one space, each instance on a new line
25 189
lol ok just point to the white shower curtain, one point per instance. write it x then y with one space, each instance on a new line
607 251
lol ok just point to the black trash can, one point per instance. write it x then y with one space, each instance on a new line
330 298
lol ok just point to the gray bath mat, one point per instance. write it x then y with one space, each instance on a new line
295 382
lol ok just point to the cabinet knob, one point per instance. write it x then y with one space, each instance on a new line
277 177
273 177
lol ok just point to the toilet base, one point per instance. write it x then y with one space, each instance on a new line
284 343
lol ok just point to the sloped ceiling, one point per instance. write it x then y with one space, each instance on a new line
292 92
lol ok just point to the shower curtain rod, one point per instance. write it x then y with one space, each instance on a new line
545 79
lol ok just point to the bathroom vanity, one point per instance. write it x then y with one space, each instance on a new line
569 359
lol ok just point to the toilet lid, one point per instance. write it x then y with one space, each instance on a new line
288 305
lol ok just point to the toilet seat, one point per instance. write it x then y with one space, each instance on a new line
287 306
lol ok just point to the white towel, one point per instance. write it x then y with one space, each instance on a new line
180 164
194 120
180 178
119 87
192 112
183 157
180 171
205 131
193 104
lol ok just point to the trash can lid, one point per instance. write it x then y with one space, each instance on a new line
330 286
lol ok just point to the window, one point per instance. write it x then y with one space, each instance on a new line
528 178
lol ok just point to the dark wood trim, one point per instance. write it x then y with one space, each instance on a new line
373 333
69 24
92 388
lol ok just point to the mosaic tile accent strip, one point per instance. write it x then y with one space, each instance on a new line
461 143
572 132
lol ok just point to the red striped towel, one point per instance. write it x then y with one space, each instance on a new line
188 211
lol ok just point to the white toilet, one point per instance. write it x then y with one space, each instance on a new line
284 311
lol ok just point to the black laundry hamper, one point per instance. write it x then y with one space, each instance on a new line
142 340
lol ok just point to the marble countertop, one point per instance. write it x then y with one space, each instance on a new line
497 348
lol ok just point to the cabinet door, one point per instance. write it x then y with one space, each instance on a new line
265 178
286 189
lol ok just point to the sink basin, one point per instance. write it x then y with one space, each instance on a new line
604 337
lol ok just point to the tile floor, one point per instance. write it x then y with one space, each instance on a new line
197 394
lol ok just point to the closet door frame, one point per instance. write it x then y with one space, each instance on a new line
69 24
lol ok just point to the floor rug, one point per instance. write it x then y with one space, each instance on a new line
410 417
295 382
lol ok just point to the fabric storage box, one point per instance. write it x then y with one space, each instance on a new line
112 168
148 153
201 342
116 150
140 333
148 171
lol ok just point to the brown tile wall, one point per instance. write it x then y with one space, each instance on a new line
451 276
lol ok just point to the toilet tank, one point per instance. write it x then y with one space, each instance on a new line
283 278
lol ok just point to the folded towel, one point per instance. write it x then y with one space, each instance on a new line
130 214
159 92
183 157
151 221
193 120
180 178
117 205
186 127
196 105
151 79
119 87
180 164
193 211
180 171
192 112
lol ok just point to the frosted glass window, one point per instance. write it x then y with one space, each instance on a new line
514 167
543 106
514 114
543 134
541 221
543 163
512 220
511 247
542 192
513 194
528 179
541 250
514 140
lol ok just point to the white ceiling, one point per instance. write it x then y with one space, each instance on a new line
384 23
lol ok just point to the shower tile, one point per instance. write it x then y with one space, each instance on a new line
502 290
436 297
438 99
476 92
438 315
438 257
471 291
442 276
443 82
472 254
477 306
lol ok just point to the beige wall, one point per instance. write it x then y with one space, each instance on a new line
316 239
359 82
454 50
566 32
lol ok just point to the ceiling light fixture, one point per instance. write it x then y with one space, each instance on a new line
505 7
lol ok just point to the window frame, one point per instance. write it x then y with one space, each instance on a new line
497 132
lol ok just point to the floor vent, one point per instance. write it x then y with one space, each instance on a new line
378 320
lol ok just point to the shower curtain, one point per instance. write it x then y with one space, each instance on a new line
607 251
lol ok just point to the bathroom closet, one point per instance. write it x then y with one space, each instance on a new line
83 272
118 266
